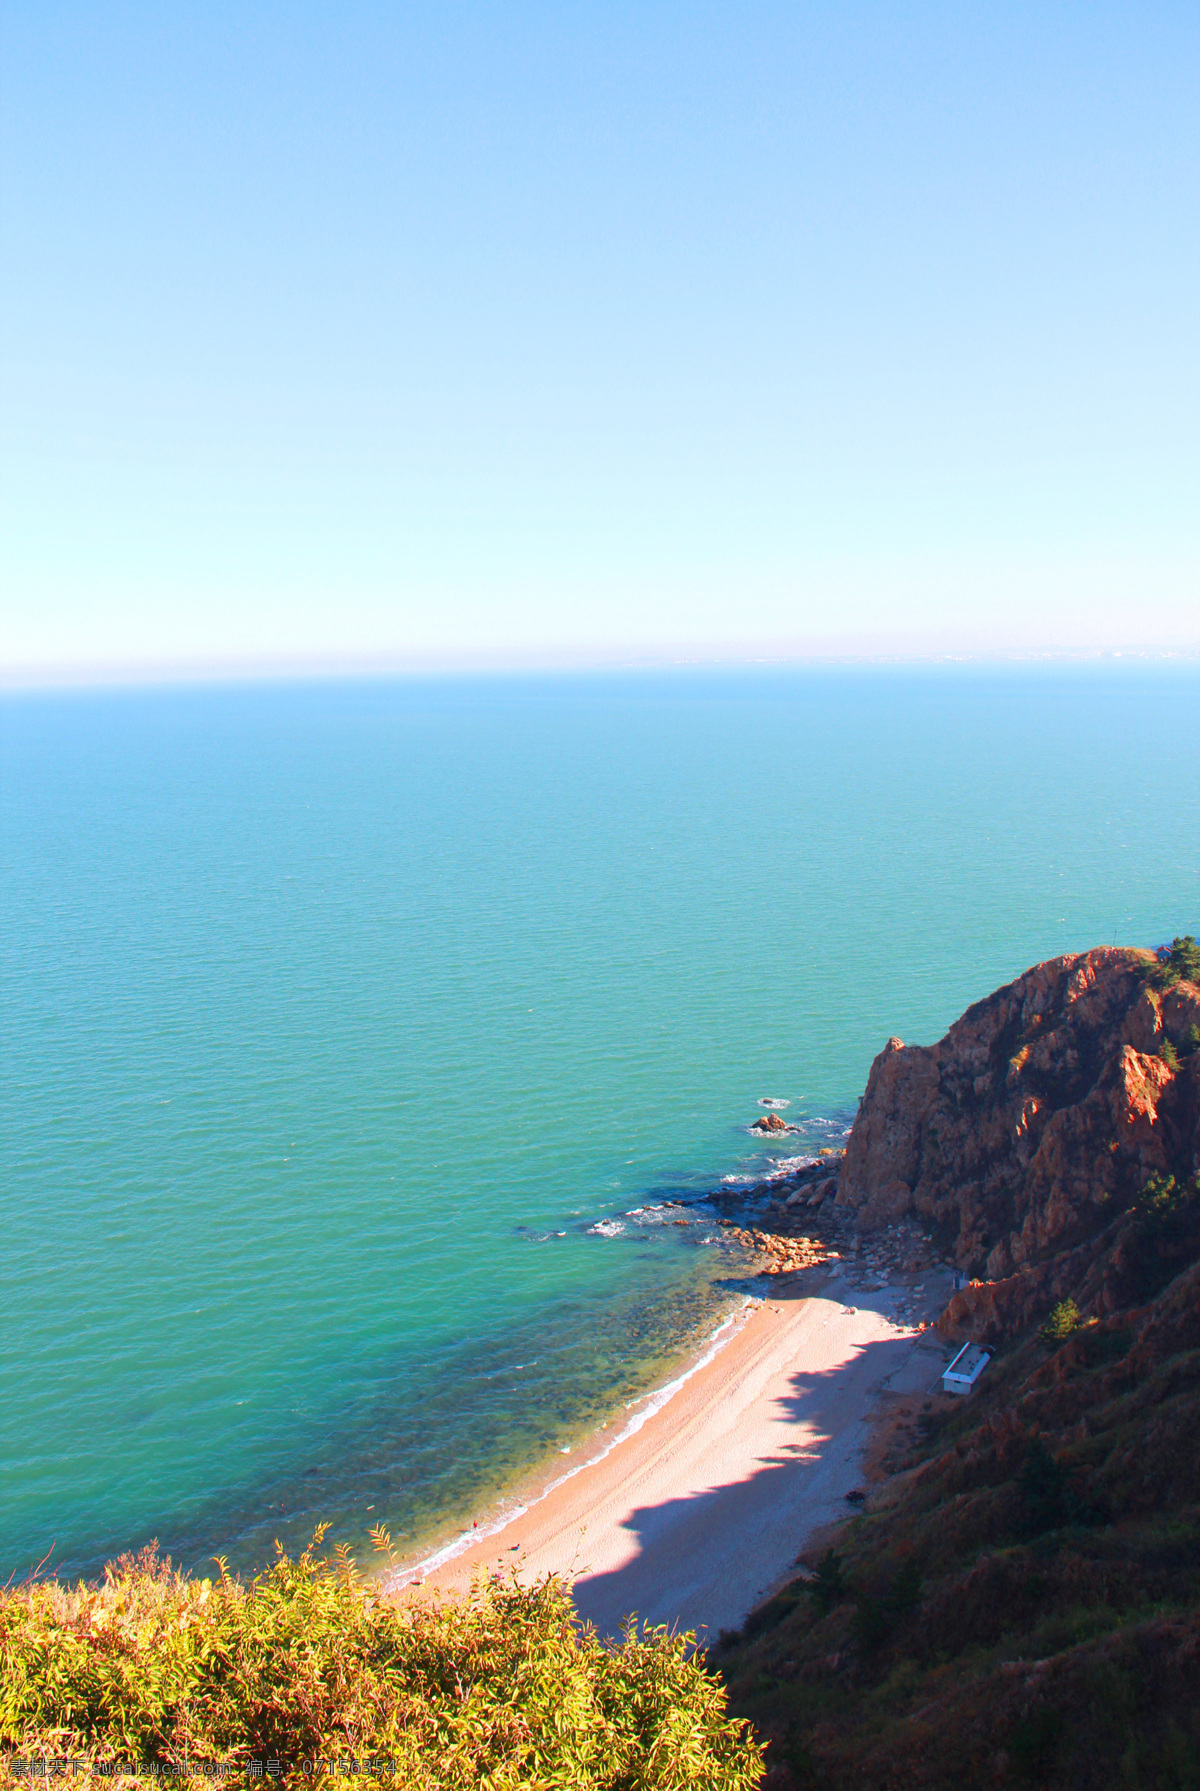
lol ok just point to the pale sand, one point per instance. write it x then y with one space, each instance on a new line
698 1516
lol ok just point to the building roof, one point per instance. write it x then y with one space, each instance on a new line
970 1361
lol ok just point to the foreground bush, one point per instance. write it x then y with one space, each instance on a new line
308 1672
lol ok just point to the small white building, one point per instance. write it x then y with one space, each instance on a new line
965 1369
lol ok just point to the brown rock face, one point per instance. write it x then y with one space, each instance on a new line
770 1122
1034 1122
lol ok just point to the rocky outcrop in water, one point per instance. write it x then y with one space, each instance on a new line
1026 1135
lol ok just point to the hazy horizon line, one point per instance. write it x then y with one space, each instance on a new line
309 668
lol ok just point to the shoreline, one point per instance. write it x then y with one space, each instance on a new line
739 1201
541 1481
698 1507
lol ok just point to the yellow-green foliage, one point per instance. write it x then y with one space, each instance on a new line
309 1666
1064 1318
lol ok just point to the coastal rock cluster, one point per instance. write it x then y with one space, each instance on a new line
784 1255
1024 1136
797 1225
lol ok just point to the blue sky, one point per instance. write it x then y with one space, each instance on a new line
552 334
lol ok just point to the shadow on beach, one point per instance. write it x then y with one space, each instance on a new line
705 1558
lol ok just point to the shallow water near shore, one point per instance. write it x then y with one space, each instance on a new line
344 1025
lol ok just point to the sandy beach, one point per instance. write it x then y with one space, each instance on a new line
700 1514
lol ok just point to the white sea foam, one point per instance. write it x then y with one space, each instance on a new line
649 1404
770 1101
654 1215
606 1228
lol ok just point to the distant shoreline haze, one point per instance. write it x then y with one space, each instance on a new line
750 658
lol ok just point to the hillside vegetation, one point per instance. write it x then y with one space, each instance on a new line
1019 1602
307 1672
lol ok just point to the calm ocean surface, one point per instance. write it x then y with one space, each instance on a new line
335 1016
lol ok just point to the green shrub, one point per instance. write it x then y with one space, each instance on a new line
1163 1198
794 1752
1105 1345
1044 1489
1174 963
1049 1495
309 1666
907 1586
829 1586
1063 1319
1034 1741
1159 1194
773 1612
871 1625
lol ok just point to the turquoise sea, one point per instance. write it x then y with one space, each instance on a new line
336 1016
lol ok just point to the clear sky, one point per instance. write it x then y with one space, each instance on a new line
523 333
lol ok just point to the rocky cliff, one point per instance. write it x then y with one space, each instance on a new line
1026 1135
1018 1601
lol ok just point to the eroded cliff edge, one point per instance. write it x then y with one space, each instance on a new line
1017 1602
1026 1137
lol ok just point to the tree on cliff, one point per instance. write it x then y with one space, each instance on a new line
1178 962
